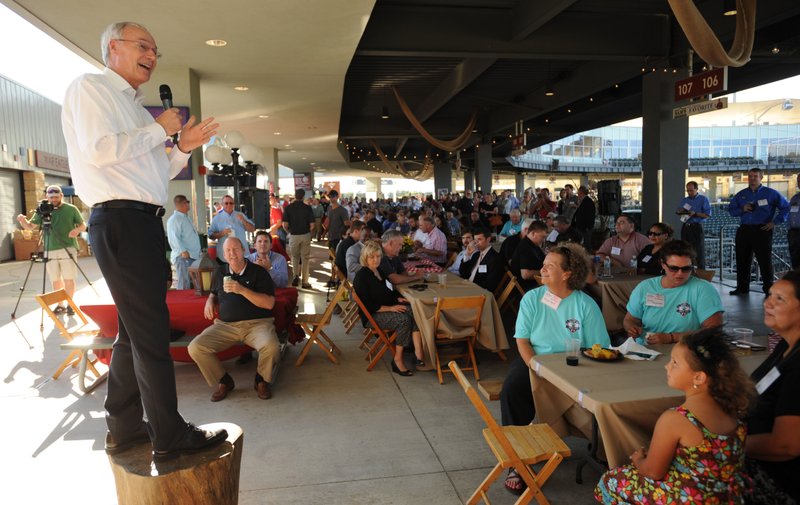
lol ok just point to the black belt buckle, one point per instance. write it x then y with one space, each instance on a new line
160 211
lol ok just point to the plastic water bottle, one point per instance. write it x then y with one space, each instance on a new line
633 263
597 264
607 267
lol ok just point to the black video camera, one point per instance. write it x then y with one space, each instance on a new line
45 210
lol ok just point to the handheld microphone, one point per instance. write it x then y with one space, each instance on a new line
166 101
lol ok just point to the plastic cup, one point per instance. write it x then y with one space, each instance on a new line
225 281
743 335
442 280
573 349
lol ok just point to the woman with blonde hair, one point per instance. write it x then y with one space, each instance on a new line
387 308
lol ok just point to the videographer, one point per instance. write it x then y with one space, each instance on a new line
66 223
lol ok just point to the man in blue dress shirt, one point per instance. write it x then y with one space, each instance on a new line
694 209
183 240
760 209
794 227
230 222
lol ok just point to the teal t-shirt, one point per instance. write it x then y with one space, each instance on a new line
663 310
577 316
64 219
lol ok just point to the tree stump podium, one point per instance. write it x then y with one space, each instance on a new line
209 477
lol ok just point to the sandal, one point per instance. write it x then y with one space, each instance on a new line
514 483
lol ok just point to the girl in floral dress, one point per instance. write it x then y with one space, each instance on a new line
696 455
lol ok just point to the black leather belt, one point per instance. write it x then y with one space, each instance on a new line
148 208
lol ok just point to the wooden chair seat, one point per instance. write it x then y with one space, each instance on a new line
706 275
314 326
516 447
76 356
443 340
384 338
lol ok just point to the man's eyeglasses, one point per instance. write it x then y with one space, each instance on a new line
144 47
227 203
687 269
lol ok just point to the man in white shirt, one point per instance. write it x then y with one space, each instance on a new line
120 167
183 241
466 240
433 245
230 222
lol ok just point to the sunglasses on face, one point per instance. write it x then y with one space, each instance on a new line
53 192
672 268
654 233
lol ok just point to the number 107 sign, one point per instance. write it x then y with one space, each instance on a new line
702 84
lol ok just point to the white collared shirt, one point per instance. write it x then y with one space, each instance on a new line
115 147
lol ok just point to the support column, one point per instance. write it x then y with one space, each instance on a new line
442 178
519 181
469 180
373 188
268 177
665 150
483 167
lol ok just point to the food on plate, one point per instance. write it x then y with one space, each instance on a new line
600 353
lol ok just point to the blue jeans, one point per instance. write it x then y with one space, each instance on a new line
182 265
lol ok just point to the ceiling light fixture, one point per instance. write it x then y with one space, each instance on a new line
216 42
549 91
729 7
241 88
775 50
233 148
276 133
385 112
263 116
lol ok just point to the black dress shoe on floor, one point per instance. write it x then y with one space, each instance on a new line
396 369
296 282
114 446
736 292
192 440
307 286
59 309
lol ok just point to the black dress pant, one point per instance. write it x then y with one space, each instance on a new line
130 249
794 246
693 234
516 397
751 239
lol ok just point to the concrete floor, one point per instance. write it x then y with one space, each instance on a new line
331 433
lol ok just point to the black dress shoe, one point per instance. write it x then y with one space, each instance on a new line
192 440
737 292
114 446
59 309
396 369
295 281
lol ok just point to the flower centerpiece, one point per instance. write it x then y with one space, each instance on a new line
408 246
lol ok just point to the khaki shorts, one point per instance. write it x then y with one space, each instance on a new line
60 266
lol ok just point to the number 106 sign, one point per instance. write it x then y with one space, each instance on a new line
702 84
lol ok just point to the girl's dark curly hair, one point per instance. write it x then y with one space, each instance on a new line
729 385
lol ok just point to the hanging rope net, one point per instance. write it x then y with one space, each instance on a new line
445 145
705 42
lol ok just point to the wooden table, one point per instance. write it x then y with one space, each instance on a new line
491 336
623 399
614 293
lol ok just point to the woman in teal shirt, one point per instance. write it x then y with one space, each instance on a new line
548 317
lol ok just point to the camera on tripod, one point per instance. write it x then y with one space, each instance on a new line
45 210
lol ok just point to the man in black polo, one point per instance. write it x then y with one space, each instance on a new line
241 301
301 223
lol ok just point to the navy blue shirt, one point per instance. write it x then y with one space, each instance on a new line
794 211
769 206
698 204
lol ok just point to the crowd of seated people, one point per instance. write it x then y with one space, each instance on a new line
734 439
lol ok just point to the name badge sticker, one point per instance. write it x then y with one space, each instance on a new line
481 269
654 300
794 208
551 300
647 259
767 380
687 206
762 202
553 236
616 251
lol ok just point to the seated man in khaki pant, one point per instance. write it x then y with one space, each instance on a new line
243 296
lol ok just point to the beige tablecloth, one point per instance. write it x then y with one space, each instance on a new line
491 336
626 397
614 293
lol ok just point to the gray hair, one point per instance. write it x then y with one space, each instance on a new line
515 212
390 235
114 31
561 220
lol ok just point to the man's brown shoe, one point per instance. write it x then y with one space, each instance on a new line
222 392
263 390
